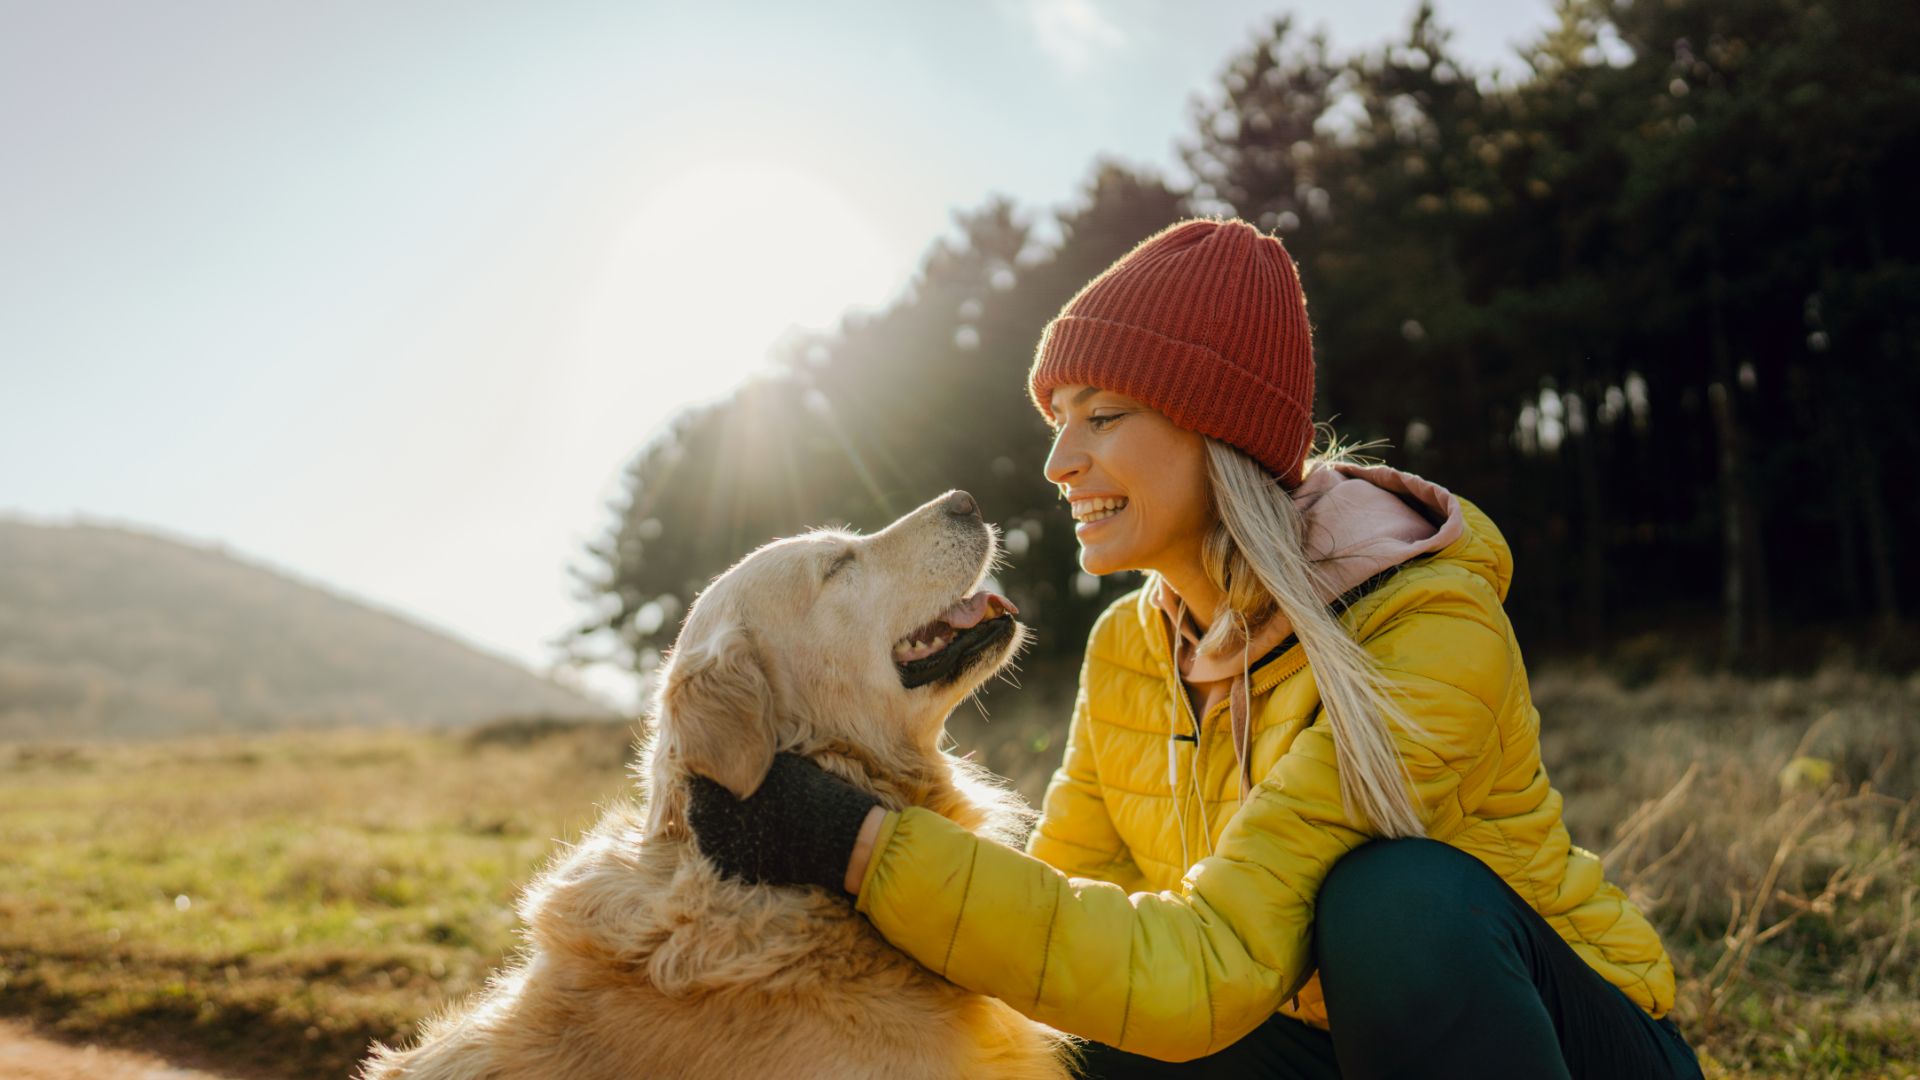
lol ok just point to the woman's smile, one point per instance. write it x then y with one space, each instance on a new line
1090 514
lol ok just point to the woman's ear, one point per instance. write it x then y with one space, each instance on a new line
716 711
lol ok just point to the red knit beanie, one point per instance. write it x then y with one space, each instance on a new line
1204 321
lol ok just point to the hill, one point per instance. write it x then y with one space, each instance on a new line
108 632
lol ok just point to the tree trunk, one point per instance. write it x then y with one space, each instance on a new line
1739 523
1846 539
1873 516
1873 508
1754 536
1733 597
1591 621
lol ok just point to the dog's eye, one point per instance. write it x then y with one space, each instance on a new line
834 567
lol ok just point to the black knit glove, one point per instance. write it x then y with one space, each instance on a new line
798 828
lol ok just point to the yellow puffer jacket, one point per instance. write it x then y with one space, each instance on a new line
1102 932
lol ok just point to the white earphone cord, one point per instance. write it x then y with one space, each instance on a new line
1173 746
1242 739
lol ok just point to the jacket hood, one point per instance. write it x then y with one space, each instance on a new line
1359 520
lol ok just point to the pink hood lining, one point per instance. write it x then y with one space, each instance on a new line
1359 520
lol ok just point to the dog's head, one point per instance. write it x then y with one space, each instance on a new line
834 642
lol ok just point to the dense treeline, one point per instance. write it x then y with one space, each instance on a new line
1652 307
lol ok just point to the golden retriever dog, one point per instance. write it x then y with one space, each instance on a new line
642 960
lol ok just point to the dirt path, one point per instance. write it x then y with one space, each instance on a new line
26 1056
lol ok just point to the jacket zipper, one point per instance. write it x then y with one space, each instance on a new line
1267 678
1181 791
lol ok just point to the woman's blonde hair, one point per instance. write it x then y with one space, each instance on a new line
1256 556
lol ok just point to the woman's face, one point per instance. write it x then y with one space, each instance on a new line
1137 482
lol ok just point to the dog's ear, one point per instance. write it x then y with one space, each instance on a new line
717 711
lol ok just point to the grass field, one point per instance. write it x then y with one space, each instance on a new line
274 903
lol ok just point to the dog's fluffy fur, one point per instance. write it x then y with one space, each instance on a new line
642 960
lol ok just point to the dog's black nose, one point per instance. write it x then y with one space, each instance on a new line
961 504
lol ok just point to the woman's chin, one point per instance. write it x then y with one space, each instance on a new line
1101 563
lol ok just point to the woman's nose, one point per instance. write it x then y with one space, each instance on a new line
1064 463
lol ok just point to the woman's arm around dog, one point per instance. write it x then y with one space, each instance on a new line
1177 975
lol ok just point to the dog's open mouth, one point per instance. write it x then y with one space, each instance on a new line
943 648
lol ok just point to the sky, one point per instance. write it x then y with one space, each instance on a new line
386 295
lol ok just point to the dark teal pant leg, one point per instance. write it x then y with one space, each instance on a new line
1433 967
1280 1049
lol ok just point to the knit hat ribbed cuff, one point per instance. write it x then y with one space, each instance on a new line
1194 386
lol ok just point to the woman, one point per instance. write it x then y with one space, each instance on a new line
1301 828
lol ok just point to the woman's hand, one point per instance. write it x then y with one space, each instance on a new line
800 827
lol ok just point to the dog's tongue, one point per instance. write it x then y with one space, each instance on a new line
971 610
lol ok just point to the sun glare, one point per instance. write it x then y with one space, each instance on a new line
722 259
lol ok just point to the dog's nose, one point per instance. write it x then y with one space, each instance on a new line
961 504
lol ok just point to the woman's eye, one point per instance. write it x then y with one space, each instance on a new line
1101 423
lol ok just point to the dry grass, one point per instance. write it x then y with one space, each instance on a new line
1772 830
338 888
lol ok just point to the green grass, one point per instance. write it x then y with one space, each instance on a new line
274 903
